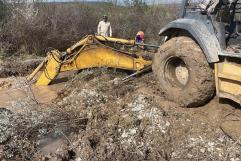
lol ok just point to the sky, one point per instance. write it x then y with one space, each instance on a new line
148 1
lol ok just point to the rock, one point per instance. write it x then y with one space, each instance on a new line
116 81
78 159
202 150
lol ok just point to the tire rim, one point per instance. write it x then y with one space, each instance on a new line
176 72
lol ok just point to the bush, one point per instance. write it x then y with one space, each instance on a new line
31 28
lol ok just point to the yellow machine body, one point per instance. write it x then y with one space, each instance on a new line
89 52
228 80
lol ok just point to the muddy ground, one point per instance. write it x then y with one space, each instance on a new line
96 116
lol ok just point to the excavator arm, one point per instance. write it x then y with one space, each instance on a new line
89 52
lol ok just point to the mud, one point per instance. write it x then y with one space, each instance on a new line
95 116
231 126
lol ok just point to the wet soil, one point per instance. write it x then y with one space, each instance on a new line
96 116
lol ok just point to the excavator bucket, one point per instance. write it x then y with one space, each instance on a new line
89 52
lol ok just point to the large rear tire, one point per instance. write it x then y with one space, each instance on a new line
183 73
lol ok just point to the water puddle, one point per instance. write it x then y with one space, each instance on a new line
40 94
16 89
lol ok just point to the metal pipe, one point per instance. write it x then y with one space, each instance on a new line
148 45
30 77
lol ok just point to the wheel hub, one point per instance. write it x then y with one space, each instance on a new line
176 72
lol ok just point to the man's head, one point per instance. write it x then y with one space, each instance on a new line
140 34
105 18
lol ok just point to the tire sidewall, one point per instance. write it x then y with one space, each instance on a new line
192 94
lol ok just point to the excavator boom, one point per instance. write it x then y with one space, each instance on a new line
89 52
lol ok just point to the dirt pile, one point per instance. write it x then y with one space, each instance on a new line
98 117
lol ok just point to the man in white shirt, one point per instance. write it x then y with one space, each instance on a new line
104 27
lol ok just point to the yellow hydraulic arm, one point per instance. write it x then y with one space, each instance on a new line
87 53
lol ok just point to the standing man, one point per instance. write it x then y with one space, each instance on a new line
104 27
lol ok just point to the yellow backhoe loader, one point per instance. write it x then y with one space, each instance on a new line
201 50
89 52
